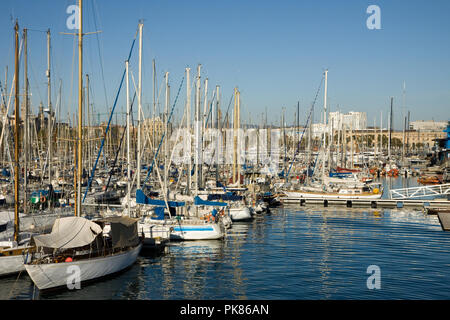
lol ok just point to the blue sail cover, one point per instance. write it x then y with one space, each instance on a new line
339 174
199 201
141 198
159 212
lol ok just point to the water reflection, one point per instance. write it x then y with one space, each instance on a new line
16 287
293 253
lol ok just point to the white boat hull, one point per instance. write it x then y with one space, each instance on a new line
54 275
240 214
207 231
12 264
151 231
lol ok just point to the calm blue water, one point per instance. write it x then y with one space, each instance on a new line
292 253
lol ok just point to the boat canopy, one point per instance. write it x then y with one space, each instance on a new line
69 232
141 198
200 201
123 231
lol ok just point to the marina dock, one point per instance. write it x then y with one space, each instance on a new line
363 203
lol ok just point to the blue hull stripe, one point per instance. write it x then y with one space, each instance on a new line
192 229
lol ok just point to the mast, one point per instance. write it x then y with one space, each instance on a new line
407 136
324 122
351 142
381 134
188 126
238 139
235 134
89 122
218 131
154 105
139 109
49 101
344 145
16 135
308 157
375 144
339 141
297 128
403 144
390 130
26 135
80 110
404 126
202 128
197 129
128 139
283 124
166 137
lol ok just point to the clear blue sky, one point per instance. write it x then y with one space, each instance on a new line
274 51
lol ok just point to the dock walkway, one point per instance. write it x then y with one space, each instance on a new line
371 203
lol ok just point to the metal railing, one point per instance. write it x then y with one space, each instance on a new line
422 191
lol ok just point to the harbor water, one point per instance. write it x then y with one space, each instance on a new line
290 253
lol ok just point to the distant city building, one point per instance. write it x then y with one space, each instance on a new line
155 125
319 128
428 125
352 120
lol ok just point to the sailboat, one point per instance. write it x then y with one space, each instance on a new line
190 219
174 220
94 249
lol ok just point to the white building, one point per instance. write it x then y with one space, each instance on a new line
319 128
352 120
428 125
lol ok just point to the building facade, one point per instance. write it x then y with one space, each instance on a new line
352 120
428 125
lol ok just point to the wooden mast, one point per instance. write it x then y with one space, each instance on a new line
26 127
16 135
80 110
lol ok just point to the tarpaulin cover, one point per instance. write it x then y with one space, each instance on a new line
123 231
69 232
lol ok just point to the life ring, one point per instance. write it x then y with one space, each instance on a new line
43 198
